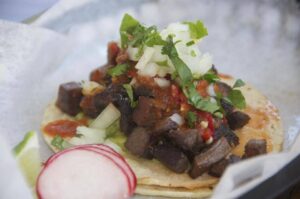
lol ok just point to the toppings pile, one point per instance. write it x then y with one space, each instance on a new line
173 104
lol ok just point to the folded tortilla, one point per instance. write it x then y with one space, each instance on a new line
156 180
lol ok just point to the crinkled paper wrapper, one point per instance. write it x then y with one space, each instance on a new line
257 43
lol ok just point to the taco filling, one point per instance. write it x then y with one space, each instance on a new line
158 98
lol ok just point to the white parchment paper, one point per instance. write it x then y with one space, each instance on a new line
257 42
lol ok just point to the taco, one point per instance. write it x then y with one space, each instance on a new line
163 105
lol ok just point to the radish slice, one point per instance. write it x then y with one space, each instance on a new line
82 173
119 160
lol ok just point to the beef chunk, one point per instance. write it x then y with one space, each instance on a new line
187 139
138 141
69 97
218 168
171 157
228 108
237 119
164 125
146 113
143 91
223 88
89 107
255 147
224 130
206 159
93 105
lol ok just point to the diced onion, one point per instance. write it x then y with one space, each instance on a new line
89 87
177 118
88 136
106 117
162 82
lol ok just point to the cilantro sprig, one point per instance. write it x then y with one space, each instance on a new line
136 35
118 70
197 29
186 79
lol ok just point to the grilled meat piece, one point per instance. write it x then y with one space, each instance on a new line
138 141
171 157
187 139
255 147
146 112
224 130
89 107
237 119
164 125
218 168
212 155
143 91
69 97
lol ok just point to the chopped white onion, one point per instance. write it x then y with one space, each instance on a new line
88 87
146 57
211 90
177 118
162 82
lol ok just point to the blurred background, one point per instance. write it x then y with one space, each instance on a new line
19 10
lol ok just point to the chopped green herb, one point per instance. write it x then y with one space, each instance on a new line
58 141
197 29
118 70
162 63
128 25
186 78
210 77
192 118
129 91
193 53
237 99
238 83
190 43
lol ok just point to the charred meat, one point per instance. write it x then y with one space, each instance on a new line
69 97
187 139
171 157
218 168
206 159
138 141
255 147
237 119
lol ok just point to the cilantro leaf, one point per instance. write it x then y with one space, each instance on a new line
127 26
118 70
197 29
190 43
58 142
238 83
237 99
129 91
186 78
182 69
192 118
210 77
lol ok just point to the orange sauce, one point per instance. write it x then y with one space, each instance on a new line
63 128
